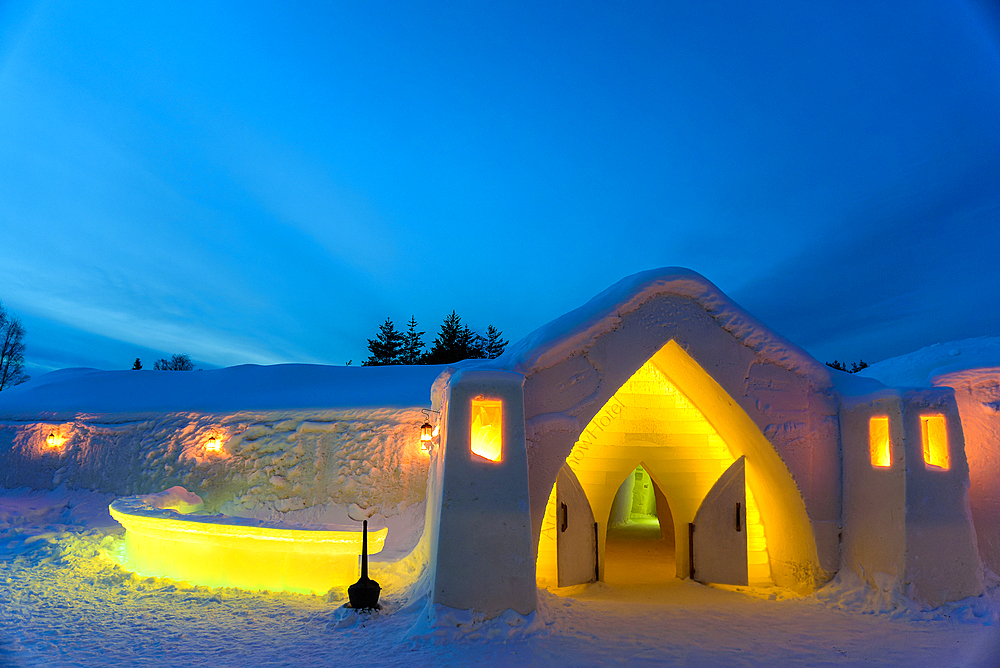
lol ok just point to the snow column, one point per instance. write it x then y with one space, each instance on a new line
482 553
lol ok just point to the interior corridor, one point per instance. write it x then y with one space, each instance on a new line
637 554
639 548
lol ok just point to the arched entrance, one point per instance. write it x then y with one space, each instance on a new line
640 538
688 435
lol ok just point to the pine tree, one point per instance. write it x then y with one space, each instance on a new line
413 344
472 345
456 342
495 343
137 365
842 366
449 346
386 347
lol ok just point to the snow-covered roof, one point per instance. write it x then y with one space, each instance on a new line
921 367
245 387
579 328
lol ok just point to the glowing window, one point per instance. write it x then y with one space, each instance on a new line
935 438
487 436
878 441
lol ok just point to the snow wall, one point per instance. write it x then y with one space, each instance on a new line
977 392
321 465
271 462
277 461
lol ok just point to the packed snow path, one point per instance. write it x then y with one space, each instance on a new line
64 602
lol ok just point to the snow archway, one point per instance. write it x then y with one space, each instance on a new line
685 448
765 397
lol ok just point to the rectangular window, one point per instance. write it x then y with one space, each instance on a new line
878 441
487 431
935 437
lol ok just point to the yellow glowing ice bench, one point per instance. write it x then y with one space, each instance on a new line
222 551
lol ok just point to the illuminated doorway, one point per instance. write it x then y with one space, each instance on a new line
650 423
640 546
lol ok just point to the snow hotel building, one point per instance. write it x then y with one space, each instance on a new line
766 467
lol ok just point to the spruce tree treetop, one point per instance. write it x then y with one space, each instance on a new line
495 344
454 342
412 349
386 347
450 342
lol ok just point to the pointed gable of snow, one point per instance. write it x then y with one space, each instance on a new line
576 331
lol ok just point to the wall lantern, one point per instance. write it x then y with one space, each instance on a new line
428 432
54 441
213 444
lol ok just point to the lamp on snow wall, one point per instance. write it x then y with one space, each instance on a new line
54 441
213 444
427 431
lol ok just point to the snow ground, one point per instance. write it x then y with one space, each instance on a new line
64 601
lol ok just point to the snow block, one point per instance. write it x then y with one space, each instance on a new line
874 533
908 524
942 561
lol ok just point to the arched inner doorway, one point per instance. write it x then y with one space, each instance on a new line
640 538
651 422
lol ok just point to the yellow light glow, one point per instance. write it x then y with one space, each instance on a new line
649 421
426 435
487 431
250 557
213 444
933 430
878 440
55 441
547 561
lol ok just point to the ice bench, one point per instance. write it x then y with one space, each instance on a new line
223 551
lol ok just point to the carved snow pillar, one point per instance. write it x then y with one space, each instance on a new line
481 549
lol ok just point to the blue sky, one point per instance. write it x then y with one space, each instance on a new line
266 182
